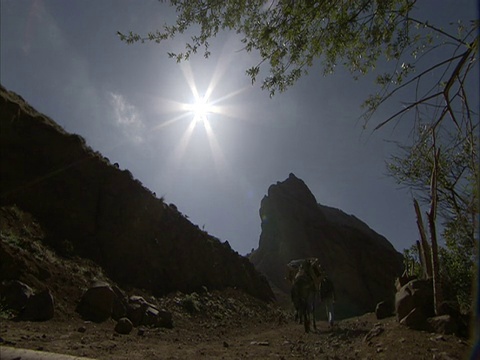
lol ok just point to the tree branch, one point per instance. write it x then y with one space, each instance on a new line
440 31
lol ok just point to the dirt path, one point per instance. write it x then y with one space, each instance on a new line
357 338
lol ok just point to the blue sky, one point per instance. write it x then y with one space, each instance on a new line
65 59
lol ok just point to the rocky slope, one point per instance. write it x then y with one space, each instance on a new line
362 264
92 209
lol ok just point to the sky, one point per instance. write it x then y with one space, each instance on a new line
130 102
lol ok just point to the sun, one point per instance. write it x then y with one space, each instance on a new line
200 109
204 109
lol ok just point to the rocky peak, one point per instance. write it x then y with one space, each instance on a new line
291 192
362 263
293 197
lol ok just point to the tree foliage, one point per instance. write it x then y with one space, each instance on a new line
290 36
411 262
456 195
457 191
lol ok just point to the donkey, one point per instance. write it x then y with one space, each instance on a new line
303 295
324 288
291 272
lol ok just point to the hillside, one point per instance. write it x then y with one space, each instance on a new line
91 209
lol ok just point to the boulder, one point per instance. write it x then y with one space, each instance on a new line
136 308
403 280
141 312
463 321
124 326
119 306
15 294
150 316
416 294
404 303
96 303
383 310
415 319
165 319
157 318
39 307
443 324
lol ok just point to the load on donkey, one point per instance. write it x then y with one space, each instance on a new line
310 284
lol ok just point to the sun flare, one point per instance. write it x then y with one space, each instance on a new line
200 109
205 111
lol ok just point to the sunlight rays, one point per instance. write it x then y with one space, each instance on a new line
219 159
202 106
183 143
170 122
206 112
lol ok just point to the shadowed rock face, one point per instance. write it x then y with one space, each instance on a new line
362 264
93 209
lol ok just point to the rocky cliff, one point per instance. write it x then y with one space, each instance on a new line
362 264
92 209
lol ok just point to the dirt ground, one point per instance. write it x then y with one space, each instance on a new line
239 337
225 324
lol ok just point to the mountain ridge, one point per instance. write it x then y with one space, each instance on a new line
334 215
93 209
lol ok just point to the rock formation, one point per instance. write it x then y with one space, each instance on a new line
93 209
362 264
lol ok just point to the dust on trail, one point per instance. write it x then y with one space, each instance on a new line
10 353
196 338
